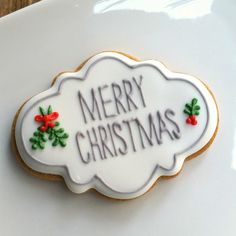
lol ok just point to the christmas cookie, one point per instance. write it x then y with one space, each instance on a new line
115 125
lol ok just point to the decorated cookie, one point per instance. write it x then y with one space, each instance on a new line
115 125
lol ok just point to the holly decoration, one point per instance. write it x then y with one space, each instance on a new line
49 130
192 110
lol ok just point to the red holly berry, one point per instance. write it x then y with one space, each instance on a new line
191 120
192 117
188 120
194 122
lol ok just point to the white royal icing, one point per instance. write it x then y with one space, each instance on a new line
137 97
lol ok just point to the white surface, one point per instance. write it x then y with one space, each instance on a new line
132 174
195 37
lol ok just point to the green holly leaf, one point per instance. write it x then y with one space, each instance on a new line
55 142
38 140
42 111
188 106
187 112
62 142
57 123
194 102
33 140
65 135
60 131
193 108
49 110
197 107
51 136
44 139
41 145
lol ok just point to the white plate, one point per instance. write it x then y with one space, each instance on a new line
195 37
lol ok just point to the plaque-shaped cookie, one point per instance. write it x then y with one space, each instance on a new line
115 125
